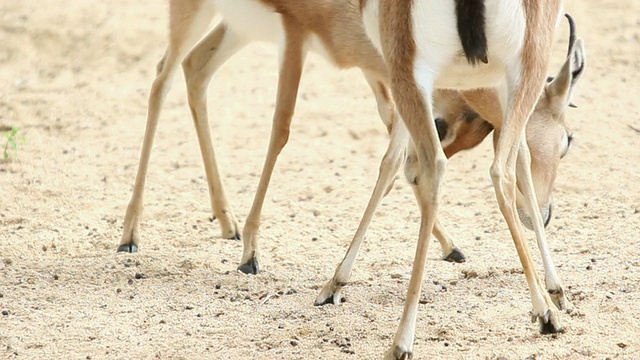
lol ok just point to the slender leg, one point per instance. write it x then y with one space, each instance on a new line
426 185
552 280
389 167
185 32
412 85
199 67
503 174
288 82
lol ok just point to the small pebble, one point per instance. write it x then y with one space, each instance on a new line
5 312
470 274
140 276
294 343
589 267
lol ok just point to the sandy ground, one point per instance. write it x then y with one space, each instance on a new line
74 78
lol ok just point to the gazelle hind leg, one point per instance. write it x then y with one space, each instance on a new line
288 82
426 186
185 31
389 167
552 280
503 174
199 67
412 91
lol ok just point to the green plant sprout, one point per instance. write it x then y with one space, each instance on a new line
12 141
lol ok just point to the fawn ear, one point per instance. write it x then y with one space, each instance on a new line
559 89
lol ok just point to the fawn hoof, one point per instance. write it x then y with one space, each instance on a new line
251 267
129 248
398 353
456 256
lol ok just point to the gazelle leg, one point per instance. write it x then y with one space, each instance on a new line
503 174
389 167
552 280
426 185
199 67
412 91
185 32
288 82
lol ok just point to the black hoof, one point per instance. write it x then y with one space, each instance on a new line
129 248
548 328
456 256
250 267
235 236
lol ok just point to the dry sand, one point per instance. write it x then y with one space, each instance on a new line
74 78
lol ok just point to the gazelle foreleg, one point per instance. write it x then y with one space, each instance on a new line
289 79
389 167
185 32
552 280
199 67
